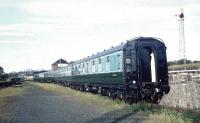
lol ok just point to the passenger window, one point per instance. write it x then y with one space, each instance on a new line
118 61
108 59
99 61
87 67
93 62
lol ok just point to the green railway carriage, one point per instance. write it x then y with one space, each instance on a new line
135 70
102 68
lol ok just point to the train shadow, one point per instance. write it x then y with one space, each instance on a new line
124 115
5 84
10 84
19 84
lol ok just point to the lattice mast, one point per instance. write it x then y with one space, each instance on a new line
181 50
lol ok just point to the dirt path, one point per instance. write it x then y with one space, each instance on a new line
28 103
32 104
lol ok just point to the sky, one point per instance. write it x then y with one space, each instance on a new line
35 33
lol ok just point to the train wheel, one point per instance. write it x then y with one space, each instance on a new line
99 91
114 96
103 92
129 100
109 93
123 96
157 98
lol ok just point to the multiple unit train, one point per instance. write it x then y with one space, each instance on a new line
134 71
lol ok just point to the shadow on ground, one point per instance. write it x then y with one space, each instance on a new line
124 115
7 84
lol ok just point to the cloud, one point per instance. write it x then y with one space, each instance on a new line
74 29
15 34
26 31
13 42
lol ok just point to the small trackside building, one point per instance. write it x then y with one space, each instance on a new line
58 64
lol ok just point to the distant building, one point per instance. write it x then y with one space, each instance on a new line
59 63
1 70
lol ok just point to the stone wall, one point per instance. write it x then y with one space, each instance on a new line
185 91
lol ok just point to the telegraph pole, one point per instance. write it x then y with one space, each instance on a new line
181 50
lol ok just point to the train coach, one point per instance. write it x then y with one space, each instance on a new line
134 71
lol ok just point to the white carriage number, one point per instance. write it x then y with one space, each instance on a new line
128 61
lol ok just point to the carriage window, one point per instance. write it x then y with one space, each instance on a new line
99 61
93 62
87 65
108 59
118 61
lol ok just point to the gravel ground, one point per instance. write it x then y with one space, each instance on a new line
36 105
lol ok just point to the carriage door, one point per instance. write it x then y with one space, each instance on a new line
130 67
147 64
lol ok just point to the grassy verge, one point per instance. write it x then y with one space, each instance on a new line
155 114
10 91
165 114
5 93
84 97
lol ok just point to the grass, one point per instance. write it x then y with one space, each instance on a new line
5 93
163 114
10 91
154 114
84 97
